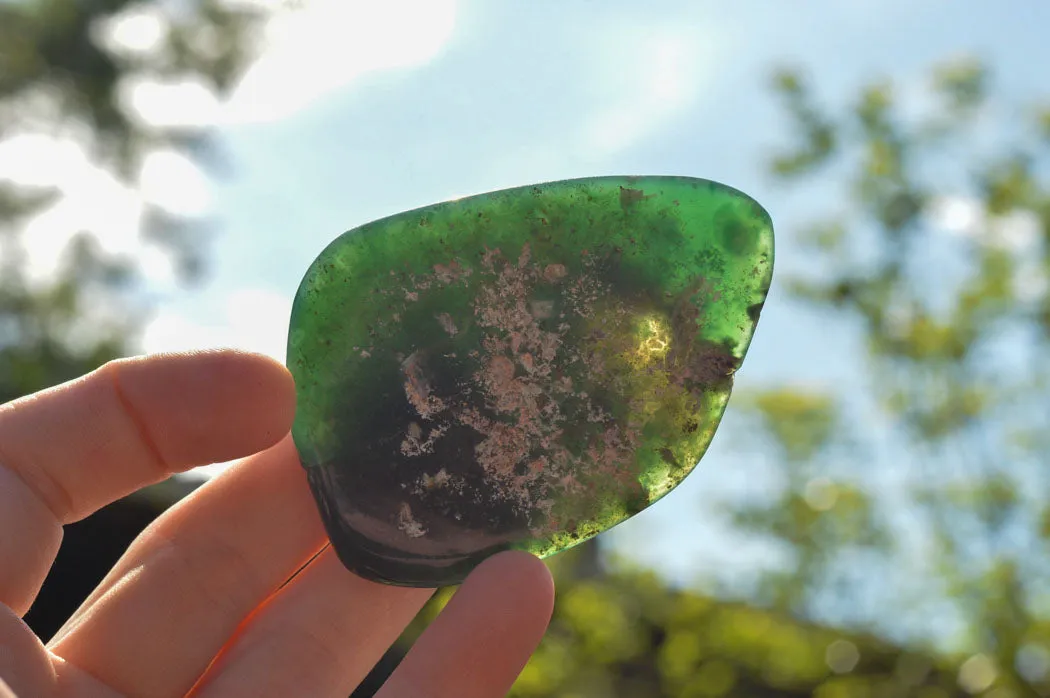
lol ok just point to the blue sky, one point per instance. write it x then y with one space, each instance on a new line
486 95
359 110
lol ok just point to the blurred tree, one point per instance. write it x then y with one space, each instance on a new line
71 73
628 634
920 483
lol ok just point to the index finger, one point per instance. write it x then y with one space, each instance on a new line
70 450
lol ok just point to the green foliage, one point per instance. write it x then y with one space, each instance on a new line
817 135
938 370
628 634
963 83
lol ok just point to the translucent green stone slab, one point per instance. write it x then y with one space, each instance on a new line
520 369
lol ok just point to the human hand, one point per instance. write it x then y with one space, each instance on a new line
198 604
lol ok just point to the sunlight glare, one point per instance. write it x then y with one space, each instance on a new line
322 48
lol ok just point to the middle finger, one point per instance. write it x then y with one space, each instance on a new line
164 611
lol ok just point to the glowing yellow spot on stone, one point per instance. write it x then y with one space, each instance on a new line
655 339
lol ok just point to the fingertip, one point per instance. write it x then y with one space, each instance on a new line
258 391
524 575
516 587
264 378
484 637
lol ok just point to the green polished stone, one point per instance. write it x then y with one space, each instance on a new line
520 369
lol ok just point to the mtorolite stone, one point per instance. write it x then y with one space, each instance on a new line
520 369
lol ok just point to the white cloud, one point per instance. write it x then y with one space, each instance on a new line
308 51
251 319
323 47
